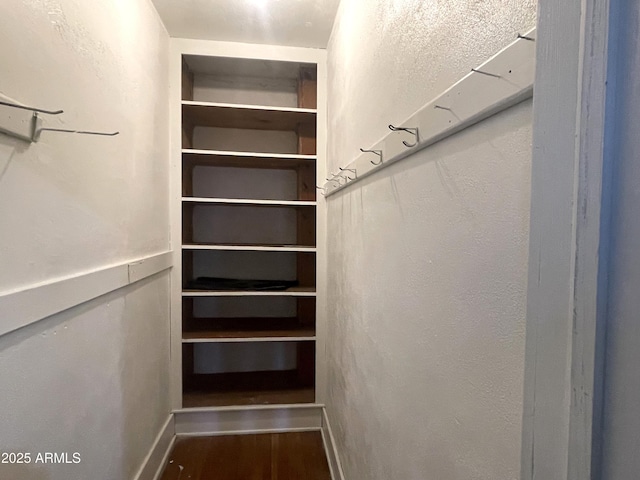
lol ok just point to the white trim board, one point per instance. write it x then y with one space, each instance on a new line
331 449
154 462
564 363
508 80
188 46
233 421
28 305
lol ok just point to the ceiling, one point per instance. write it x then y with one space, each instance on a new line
301 23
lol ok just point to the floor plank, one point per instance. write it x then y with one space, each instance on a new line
279 456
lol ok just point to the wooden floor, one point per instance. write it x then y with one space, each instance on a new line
279 456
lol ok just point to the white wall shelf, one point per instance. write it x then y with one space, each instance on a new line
251 248
289 292
287 338
221 158
246 201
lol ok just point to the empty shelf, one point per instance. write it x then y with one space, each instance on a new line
250 248
246 201
215 337
245 388
254 329
218 158
255 117
289 292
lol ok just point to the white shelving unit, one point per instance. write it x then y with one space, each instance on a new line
248 142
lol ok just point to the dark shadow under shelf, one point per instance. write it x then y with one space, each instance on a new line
246 388
265 327
254 117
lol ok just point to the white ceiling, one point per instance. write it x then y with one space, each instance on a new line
301 23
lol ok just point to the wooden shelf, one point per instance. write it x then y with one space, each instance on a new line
219 158
245 388
289 292
251 248
250 202
252 329
254 117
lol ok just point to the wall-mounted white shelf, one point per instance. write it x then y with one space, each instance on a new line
289 292
221 158
251 248
254 117
305 338
243 201
501 82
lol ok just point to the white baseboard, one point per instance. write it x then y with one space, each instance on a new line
331 449
239 421
249 419
155 460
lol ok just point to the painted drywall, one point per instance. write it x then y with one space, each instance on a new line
93 379
622 388
427 259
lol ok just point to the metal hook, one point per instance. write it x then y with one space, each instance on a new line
32 109
486 73
412 131
83 132
349 170
342 176
442 108
322 191
377 152
524 37
332 179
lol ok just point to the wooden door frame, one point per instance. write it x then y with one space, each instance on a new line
567 289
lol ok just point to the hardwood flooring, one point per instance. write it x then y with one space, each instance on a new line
279 456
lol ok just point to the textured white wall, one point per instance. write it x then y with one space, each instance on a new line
94 379
428 258
300 23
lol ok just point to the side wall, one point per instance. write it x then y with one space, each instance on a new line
427 258
92 379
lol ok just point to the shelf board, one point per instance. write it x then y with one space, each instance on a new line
251 248
220 158
255 117
243 329
289 292
248 201
248 339
245 388
199 399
